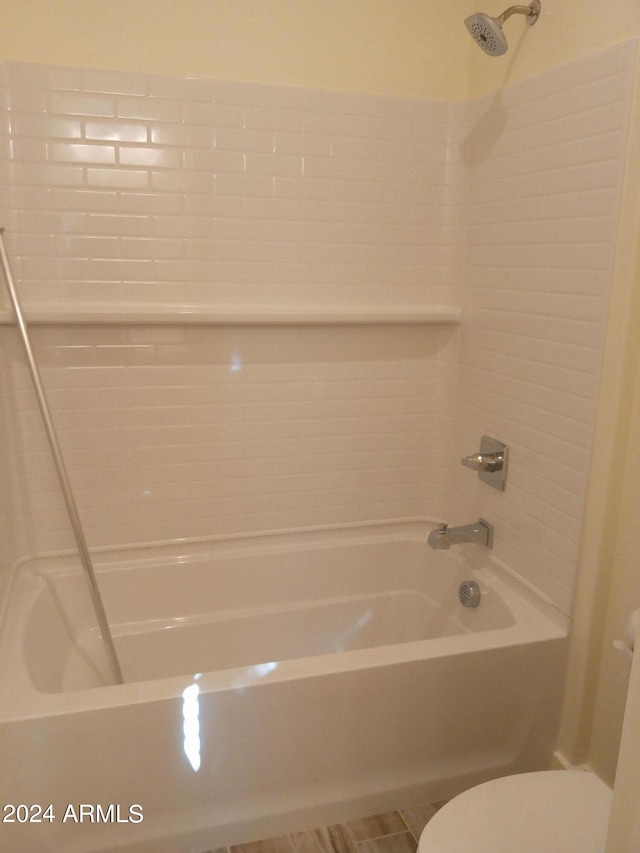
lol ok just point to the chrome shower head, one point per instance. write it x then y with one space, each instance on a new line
487 31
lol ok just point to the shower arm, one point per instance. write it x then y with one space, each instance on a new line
58 459
532 12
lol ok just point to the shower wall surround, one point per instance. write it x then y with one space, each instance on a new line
145 191
192 431
140 189
543 166
150 191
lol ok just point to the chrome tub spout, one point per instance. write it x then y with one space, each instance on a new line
443 537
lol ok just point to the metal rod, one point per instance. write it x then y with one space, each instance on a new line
532 11
69 500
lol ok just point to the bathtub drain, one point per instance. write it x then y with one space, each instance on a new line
469 594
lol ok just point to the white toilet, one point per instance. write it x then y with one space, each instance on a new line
552 811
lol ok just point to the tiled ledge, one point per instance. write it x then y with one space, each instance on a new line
257 315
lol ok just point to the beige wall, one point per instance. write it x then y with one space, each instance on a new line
395 47
613 670
610 561
610 588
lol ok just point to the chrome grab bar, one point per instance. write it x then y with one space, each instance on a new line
58 459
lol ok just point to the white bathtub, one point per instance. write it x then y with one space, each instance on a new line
273 684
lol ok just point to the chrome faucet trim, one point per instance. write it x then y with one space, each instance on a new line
484 461
490 462
443 537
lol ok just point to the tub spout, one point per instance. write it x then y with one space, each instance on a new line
438 539
443 537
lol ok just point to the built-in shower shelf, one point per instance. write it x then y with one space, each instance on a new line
256 315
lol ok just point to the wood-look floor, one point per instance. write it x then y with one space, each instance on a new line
392 832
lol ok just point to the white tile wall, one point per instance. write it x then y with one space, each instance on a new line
127 189
172 432
135 189
545 165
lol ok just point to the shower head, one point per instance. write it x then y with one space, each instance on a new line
487 31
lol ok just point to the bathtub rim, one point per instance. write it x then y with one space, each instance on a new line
536 619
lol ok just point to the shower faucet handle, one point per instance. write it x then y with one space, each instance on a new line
484 461
490 462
